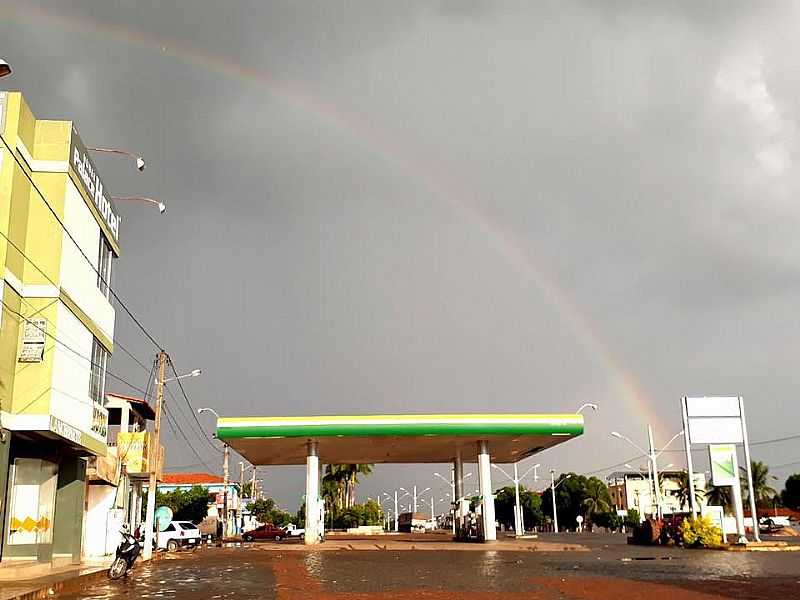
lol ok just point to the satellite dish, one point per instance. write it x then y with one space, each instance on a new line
163 517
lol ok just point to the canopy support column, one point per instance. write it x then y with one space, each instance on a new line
458 494
485 481
312 494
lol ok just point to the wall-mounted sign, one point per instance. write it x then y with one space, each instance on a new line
91 183
33 338
65 430
132 447
723 465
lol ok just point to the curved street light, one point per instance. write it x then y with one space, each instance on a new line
5 68
553 486
162 208
193 373
591 405
140 164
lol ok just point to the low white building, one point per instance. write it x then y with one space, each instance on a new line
114 483
632 489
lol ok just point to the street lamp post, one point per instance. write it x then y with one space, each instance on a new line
652 458
553 486
452 484
519 523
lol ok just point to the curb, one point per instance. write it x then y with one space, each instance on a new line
71 584
58 587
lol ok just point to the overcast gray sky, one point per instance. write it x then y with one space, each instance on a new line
446 206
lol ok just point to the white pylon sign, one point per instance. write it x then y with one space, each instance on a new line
716 420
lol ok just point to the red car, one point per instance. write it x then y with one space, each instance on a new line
265 532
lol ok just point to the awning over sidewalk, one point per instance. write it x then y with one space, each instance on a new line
396 438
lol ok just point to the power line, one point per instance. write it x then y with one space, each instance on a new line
776 440
789 464
68 347
191 408
91 264
186 439
54 284
182 412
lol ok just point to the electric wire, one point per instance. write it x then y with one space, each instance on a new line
180 411
186 439
70 348
191 408
69 234
55 285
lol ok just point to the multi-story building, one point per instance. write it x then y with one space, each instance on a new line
59 235
632 489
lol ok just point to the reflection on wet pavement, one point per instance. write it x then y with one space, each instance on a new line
609 567
212 575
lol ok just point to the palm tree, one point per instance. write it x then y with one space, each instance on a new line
763 492
333 486
351 480
720 496
339 484
596 498
684 493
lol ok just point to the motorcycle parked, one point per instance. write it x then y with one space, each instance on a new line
127 551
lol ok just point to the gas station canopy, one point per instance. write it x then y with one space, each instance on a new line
396 438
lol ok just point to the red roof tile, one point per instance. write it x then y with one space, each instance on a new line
190 478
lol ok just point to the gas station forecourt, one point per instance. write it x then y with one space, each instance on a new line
395 439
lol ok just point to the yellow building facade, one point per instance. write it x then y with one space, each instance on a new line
59 235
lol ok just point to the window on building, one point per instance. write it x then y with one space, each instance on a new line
104 259
97 381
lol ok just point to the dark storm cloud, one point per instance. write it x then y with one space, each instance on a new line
367 201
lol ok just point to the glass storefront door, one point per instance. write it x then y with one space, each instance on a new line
32 493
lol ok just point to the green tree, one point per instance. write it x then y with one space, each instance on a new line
369 513
189 505
762 490
609 520
504 505
632 519
262 509
790 496
596 499
720 496
265 511
684 492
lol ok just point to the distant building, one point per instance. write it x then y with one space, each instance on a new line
632 489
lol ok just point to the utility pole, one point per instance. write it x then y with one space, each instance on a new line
415 499
154 458
241 495
653 459
253 486
396 513
226 454
553 490
517 509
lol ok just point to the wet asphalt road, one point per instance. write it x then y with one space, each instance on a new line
610 569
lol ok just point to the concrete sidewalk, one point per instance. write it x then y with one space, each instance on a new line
58 579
